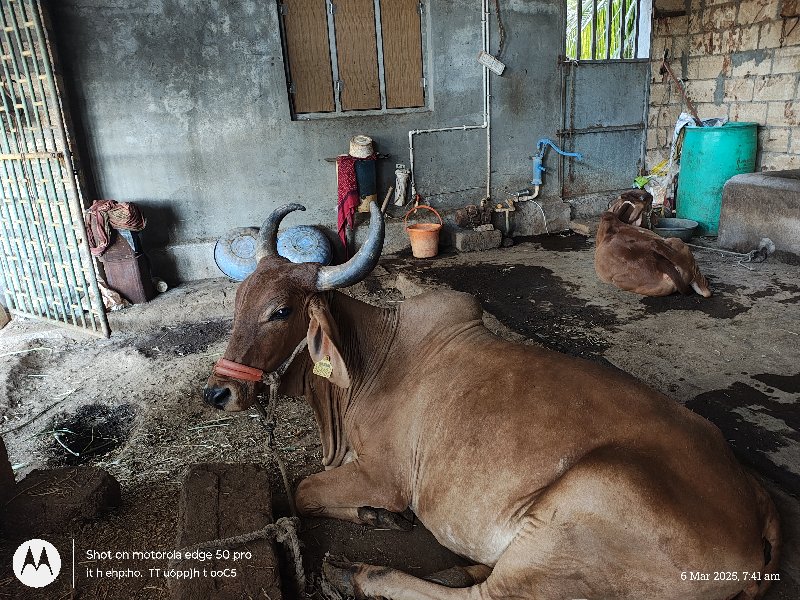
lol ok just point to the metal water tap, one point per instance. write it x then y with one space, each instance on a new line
538 160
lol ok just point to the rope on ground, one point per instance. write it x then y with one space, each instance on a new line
757 256
284 531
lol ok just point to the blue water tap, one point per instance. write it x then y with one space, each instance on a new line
538 159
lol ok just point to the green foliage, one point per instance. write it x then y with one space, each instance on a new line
616 8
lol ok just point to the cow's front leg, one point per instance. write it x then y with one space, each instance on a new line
353 493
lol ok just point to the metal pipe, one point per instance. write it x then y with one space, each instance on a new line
579 10
486 114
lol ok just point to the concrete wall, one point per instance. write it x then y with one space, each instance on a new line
183 108
737 65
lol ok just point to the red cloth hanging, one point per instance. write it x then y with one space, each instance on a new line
348 199
105 215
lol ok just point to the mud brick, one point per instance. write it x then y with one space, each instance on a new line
475 241
219 501
47 500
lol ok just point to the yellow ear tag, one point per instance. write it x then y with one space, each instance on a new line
324 368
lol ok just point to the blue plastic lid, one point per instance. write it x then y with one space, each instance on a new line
235 252
305 243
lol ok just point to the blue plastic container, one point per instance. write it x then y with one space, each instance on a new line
305 243
711 156
235 252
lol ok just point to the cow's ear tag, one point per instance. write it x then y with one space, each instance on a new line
324 368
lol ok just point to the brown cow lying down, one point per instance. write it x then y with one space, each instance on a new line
638 260
558 477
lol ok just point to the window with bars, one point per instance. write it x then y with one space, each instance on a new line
608 29
347 56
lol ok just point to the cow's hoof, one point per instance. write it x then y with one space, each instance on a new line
339 573
381 518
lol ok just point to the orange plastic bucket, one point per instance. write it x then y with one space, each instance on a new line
424 236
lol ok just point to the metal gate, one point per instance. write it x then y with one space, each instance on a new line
47 269
604 94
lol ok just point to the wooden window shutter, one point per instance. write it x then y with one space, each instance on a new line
402 53
357 50
309 56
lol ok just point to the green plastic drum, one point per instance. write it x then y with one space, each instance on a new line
711 156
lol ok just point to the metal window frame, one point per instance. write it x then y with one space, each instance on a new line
338 112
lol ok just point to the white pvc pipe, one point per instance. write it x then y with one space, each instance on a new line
486 115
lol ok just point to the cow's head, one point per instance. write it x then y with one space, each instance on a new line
279 304
633 207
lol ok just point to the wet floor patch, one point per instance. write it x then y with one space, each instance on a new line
561 242
183 340
534 302
91 431
756 425
786 383
722 305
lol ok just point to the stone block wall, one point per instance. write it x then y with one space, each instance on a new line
738 60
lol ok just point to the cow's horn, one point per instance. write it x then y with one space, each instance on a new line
358 267
268 236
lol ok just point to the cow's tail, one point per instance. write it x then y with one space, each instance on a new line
699 282
771 537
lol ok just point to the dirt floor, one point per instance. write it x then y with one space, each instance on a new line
132 404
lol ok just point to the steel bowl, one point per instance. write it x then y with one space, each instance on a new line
679 228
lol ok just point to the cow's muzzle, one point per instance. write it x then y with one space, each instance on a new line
218 397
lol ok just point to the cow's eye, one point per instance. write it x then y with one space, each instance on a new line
281 314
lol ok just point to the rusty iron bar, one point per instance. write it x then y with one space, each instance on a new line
622 15
594 29
636 17
665 67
